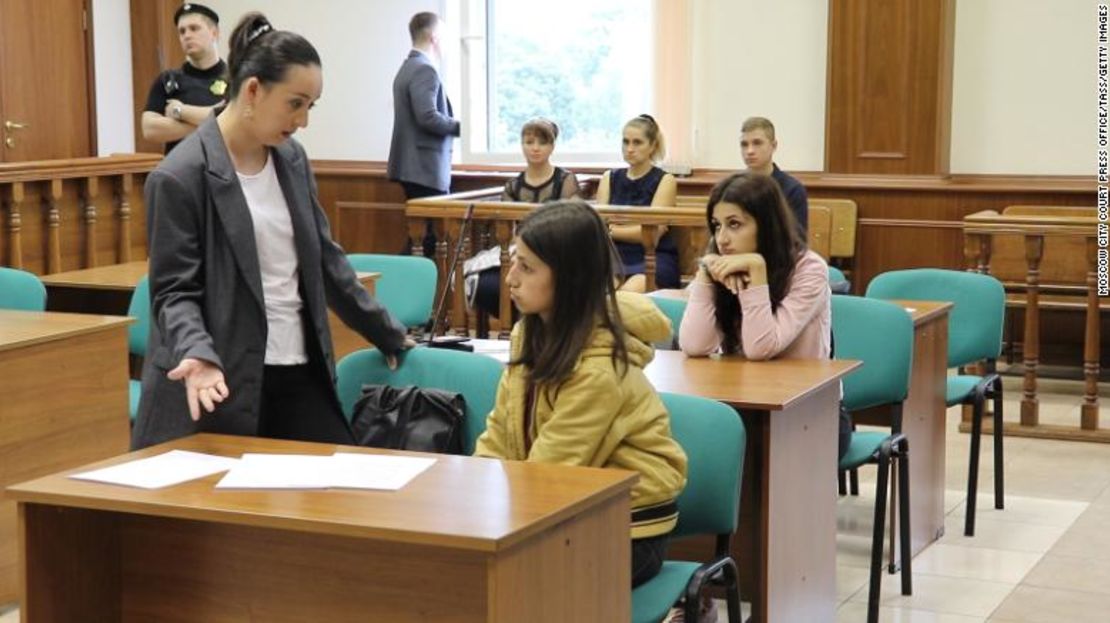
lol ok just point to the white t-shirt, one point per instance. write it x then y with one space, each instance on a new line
277 257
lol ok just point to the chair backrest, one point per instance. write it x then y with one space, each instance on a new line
139 309
843 216
674 309
979 307
21 290
713 437
819 231
880 334
407 287
472 375
837 280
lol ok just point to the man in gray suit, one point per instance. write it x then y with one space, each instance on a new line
423 124
423 127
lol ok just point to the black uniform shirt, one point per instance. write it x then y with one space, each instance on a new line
196 87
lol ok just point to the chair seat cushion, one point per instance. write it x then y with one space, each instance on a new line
653 599
864 446
959 388
134 390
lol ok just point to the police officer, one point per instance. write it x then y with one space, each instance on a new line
180 99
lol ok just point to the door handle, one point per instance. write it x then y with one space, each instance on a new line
10 142
12 125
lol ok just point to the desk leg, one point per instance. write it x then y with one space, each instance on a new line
785 546
799 467
923 422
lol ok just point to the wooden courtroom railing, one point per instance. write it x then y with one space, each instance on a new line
501 218
62 215
993 243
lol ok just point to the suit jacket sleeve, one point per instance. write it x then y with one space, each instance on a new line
422 95
351 302
177 268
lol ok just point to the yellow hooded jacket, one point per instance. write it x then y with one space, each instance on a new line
599 418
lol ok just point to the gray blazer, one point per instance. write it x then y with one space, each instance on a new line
206 285
422 126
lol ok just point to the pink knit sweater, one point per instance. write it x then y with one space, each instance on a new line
798 329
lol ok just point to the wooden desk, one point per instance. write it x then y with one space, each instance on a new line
63 383
107 290
786 543
468 540
923 415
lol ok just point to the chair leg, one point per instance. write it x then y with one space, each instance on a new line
892 505
853 481
998 462
875 585
904 520
842 483
732 592
973 467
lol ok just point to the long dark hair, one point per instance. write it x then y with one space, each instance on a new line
572 240
258 50
777 240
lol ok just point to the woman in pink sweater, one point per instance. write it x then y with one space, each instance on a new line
759 292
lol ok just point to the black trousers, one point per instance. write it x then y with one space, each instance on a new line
647 558
298 404
418 191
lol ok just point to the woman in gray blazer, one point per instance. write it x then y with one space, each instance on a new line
243 267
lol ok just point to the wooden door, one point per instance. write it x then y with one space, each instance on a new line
45 85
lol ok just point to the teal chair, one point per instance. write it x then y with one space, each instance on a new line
879 334
838 283
21 290
472 375
137 335
674 309
714 439
407 287
974 335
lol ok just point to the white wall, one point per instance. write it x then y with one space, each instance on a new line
757 58
1024 87
361 44
115 130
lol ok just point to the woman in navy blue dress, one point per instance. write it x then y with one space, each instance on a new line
642 184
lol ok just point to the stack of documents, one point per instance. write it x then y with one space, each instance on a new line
266 471
340 470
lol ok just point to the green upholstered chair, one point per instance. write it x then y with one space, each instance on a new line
879 334
472 375
838 283
673 308
407 286
137 335
714 439
21 290
974 335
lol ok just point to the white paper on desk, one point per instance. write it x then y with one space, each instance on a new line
163 470
376 471
498 349
279 471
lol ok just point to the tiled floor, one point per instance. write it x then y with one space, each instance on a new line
1046 557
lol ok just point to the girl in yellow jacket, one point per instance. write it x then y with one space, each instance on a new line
575 391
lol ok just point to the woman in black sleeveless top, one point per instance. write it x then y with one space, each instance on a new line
539 182
642 184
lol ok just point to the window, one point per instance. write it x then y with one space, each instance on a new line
586 64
